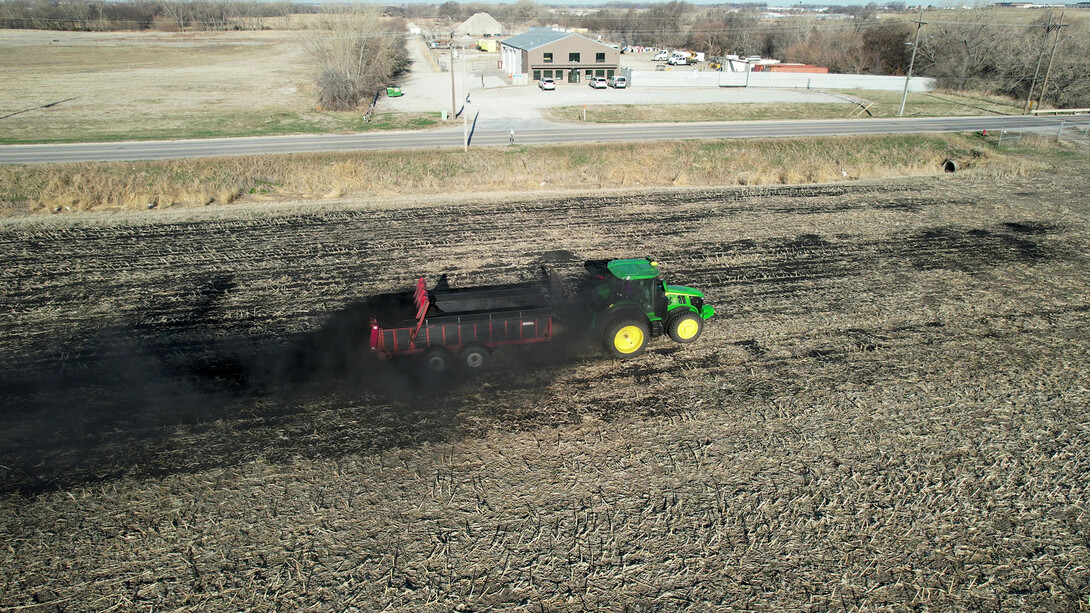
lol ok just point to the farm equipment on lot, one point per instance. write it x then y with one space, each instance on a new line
623 302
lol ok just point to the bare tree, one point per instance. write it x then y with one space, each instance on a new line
356 52
962 47
840 50
181 11
663 25
721 32
889 47
1069 83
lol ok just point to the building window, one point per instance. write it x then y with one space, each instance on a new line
549 74
598 57
537 75
548 58
573 58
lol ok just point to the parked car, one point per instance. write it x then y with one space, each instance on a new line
677 61
599 83
618 82
661 56
546 84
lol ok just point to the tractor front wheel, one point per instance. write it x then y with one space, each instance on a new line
685 328
626 337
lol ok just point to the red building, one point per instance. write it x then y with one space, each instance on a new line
790 68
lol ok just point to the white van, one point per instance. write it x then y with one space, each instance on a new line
618 82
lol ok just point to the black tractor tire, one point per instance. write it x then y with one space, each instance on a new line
437 360
685 327
474 358
626 336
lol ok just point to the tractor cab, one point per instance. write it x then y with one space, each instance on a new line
630 291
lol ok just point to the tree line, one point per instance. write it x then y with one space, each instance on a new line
136 15
984 50
987 50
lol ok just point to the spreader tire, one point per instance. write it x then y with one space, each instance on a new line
437 359
474 358
685 328
626 337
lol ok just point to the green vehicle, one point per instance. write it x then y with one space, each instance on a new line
628 305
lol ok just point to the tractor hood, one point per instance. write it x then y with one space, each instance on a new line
706 311
683 291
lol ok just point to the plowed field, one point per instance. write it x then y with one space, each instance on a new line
888 413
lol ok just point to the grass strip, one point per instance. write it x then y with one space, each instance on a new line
272 123
391 175
847 103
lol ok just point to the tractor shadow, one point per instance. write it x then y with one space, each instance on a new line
148 400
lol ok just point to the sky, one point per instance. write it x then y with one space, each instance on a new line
780 3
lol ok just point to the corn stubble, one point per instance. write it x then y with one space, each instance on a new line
888 413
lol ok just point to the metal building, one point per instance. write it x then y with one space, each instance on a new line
563 56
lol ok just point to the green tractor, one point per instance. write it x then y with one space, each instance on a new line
628 305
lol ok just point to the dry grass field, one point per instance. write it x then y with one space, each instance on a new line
154 85
888 413
394 176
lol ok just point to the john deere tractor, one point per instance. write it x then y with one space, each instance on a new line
628 305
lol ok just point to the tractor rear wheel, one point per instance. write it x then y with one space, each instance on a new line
685 328
626 337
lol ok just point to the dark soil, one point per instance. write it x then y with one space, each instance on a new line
887 413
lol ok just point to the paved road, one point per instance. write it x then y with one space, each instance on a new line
498 133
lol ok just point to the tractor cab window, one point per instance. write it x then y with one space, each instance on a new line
639 291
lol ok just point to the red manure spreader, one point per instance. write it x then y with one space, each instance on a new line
462 326
624 304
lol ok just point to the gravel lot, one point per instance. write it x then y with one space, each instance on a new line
501 104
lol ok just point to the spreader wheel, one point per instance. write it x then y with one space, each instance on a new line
474 358
685 328
626 337
437 359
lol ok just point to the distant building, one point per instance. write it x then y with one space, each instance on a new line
564 56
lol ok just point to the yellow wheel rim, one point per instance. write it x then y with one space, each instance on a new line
628 339
688 328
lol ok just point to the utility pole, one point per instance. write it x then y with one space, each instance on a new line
1051 56
911 63
1040 58
453 103
465 105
